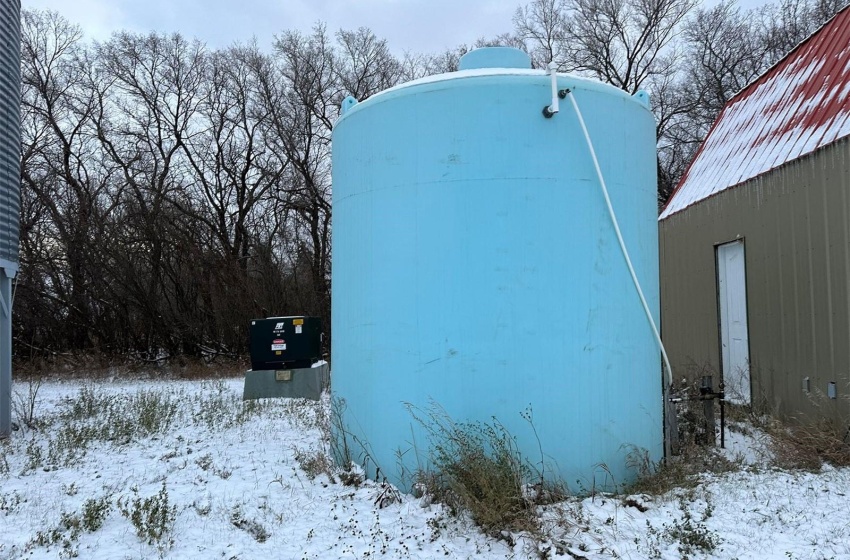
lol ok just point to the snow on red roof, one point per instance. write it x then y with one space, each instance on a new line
801 104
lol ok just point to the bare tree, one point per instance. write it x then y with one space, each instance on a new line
171 193
787 23
724 55
620 42
143 123
726 48
542 26
365 65
306 104
630 44
64 189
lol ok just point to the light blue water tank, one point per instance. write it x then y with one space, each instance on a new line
475 266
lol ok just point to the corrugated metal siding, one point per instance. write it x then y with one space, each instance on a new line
10 127
799 105
795 222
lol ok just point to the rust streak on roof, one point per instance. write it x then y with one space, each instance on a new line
800 104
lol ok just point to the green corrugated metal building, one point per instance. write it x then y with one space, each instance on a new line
755 241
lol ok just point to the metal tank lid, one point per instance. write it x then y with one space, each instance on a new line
489 63
495 57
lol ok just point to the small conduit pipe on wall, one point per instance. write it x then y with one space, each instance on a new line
548 112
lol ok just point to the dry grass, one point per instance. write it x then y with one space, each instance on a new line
801 442
201 369
94 366
806 440
682 471
809 443
697 454
315 462
476 469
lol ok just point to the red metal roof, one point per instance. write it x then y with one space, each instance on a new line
799 105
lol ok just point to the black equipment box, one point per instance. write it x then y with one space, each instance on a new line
285 342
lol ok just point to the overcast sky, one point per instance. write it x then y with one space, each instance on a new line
415 25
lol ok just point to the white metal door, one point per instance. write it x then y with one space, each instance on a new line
732 302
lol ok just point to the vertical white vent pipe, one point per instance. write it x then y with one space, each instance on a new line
553 107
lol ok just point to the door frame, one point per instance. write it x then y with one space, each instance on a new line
742 240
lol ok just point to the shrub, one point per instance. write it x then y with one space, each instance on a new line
214 408
97 416
88 404
691 536
95 512
314 462
250 526
35 456
71 525
24 404
153 517
9 502
70 444
154 411
477 469
220 407
4 462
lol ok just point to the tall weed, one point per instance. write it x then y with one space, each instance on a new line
476 468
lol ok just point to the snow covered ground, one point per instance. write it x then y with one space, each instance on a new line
213 477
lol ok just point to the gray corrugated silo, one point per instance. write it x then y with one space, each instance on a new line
10 191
